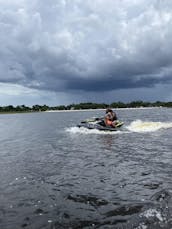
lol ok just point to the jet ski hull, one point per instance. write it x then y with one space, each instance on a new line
97 126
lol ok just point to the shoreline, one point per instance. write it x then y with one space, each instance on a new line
102 109
79 110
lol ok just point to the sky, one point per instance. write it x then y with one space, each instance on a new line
59 52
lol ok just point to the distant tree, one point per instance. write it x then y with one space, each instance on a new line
44 108
61 107
118 105
36 108
159 104
169 104
138 103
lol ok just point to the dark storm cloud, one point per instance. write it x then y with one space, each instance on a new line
86 45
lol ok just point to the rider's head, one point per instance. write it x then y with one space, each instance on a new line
108 110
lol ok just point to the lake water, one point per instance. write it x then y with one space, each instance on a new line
55 175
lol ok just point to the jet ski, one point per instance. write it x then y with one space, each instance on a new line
98 124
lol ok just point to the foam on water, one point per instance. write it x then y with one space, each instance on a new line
147 126
150 213
135 126
83 130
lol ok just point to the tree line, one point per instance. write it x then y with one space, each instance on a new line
81 106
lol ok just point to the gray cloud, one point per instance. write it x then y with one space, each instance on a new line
98 45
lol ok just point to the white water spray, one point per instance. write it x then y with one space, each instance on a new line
148 126
82 130
135 126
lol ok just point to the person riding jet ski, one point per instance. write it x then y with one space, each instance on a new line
108 123
110 118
